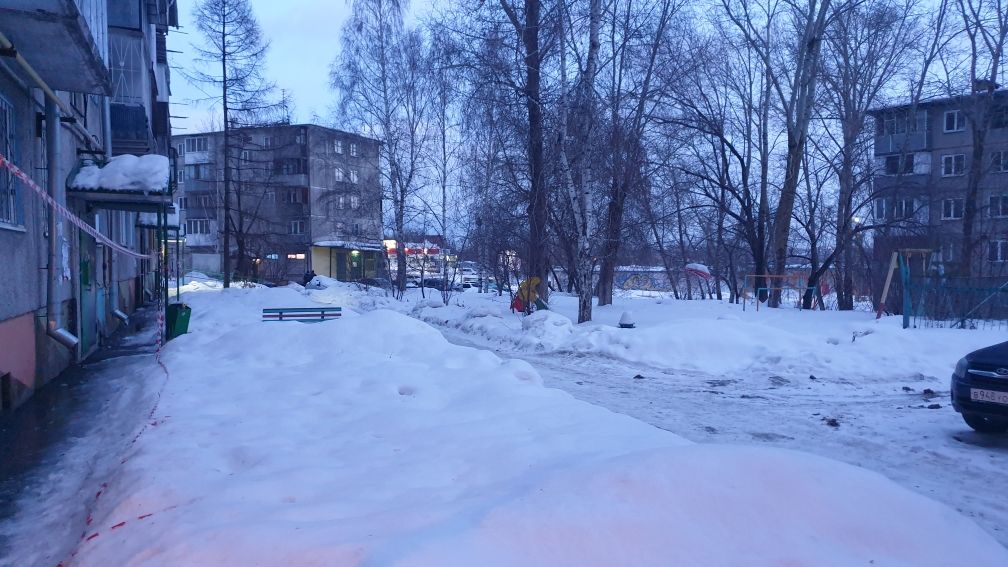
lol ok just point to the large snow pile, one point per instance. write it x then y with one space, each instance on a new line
370 440
126 173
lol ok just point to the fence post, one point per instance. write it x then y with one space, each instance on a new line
905 279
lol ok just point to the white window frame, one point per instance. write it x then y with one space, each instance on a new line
881 204
1001 210
198 226
999 159
1002 251
902 161
951 158
960 121
949 209
353 149
338 146
196 144
900 211
296 227
339 175
354 175
355 202
11 207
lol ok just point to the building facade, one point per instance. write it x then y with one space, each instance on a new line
304 197
925 163
68 96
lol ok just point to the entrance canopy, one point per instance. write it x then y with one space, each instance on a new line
126 182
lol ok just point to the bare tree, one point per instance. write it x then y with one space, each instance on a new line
378 79
793 73
985 26
230 61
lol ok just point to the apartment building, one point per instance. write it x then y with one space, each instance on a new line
81 81
925 156
303 197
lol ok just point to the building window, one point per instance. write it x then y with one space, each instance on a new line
207 200
999 116
997 250
296 256
181 149
246 155
999 206
296 227
299 139
293 196
354 201
952 209
339 175
269 197
182 202
338 146
197 171
904 209
271 141
196 144
10 198
198 226
353 176
999 161
881 209
892 164
290 166
894 124
954 121
353 149
356 229
947 252
953 165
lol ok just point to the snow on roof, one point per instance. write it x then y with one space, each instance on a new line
151 219
698 267
351 244
147 173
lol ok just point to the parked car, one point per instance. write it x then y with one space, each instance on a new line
980 389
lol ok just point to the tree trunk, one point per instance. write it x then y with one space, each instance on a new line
537 207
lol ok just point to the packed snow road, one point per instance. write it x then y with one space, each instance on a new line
883 426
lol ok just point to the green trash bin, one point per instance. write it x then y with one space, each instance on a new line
177 319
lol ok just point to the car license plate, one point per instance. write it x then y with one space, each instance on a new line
992 396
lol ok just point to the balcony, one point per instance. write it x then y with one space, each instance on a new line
65 41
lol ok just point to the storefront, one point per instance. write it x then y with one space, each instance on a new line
348 261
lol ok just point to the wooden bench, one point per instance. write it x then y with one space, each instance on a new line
302 314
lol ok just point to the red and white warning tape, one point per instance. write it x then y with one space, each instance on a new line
93 232
65 213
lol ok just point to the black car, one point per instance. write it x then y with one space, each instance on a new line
980 389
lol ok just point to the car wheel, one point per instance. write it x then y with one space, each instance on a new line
985 424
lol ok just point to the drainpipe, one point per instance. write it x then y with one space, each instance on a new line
116 221
54 309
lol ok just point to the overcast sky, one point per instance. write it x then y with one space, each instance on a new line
304 40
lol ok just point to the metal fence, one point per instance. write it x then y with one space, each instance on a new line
948 303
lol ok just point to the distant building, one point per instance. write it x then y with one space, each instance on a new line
304 197
924 156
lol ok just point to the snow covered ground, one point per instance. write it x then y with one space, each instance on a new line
373 440
713 373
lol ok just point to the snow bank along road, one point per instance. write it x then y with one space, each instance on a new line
374 441
877 417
